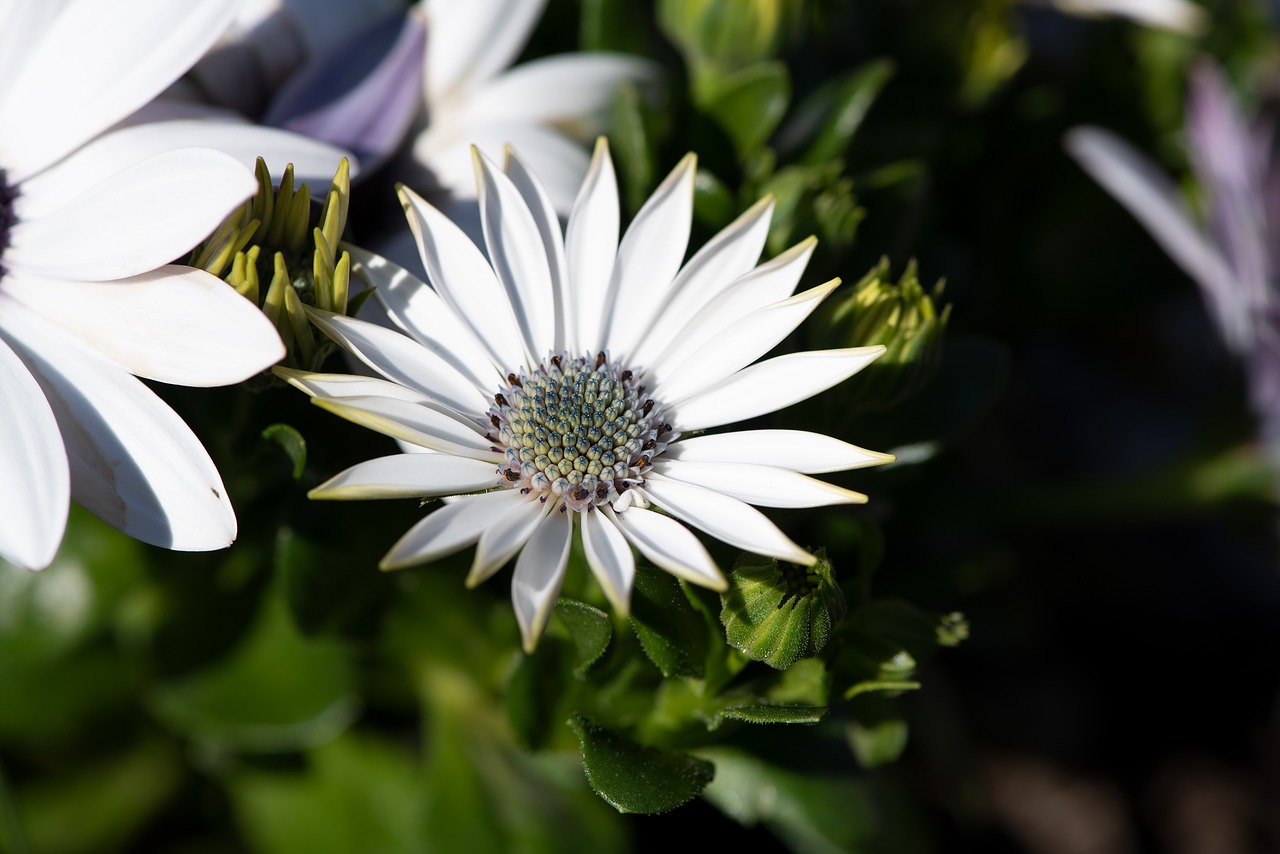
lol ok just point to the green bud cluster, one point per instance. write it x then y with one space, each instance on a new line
904 318
270 239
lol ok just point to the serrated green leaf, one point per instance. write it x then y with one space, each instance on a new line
588 627
770 714
634 778
671 631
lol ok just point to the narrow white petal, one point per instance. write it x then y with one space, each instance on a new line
451 527
506 535
35 482
465 281
609 557
1179 15
572 91
518 255
544 214
712 269
539 574
22 27
591 245
725 518
412 422
401 359
409 476
769 283
797 450
763 486
175 324
670 545
95 64
134 463
347 385
771 385
748 340
135 220
470 42
420 312
648 259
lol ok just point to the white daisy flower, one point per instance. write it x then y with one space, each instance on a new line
560 385
86 305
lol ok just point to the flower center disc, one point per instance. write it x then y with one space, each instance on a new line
579 428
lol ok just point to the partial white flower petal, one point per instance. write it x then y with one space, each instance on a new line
1178 15
609 557
401 359
470 42
408 476
769 283
591 245
544 214
175 324
35 482
670 545
518 256
133 221
465 281
712 269
725 518
451 527
22 27
539 574
771 385
648 259
797 450
421 313
134 463
347 385
571 91
420 425
761 485
121 60
507 533
749 339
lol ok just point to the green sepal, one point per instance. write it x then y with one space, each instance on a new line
634 778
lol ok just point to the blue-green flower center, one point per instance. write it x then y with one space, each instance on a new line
579 428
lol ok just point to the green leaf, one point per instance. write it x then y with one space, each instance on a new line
291 441
631 146
780 613
329 584
672 633
879 742
588 627
615 25
830 117
769 714
748 104
634 778
713 204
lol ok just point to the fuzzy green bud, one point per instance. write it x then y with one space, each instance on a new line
779 613
904 318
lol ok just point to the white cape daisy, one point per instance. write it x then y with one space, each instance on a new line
561 384
86 305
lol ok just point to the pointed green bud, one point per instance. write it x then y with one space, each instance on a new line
904 318
779 613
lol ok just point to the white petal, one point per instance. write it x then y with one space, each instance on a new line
470 42
135 220
518 256
670 545
728 255
409 476
401 359
725 518
347 385
93 66
609 557
35 482
134 463
797 450
591 245
451 527
771 282
465 281
544 214
506 535
421 313
175 324
749 339
648 259
571 91
1179 15
414 423
539 574
771 385
22 27
763 486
